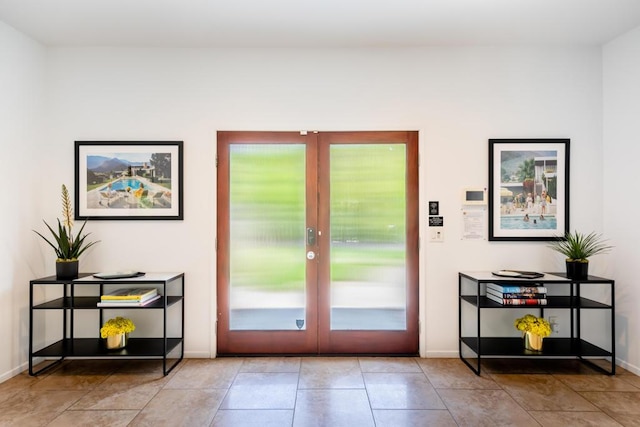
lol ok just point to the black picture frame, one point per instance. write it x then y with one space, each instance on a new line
522 173
132 180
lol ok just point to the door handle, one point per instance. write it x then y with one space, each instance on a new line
311 236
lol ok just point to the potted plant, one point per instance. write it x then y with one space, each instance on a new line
67 247
116 332
534 329
578 247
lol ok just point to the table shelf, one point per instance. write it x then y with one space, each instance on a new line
79 303
95 347
552 347
552 302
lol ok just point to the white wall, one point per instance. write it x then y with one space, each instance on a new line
21 103
457 98
621 59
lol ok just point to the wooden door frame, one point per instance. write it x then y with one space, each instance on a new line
372 342
317 295
271 342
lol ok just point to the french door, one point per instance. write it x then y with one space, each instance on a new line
317 243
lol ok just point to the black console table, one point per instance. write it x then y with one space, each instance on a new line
168 347
473 346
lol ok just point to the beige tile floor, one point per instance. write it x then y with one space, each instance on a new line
321 391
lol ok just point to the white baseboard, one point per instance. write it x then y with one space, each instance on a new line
15 371
629 367
198 355
442 354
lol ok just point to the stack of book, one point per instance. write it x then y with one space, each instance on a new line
129 297
517 295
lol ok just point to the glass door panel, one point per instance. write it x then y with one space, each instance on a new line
267 237
368 269
368 237
317 248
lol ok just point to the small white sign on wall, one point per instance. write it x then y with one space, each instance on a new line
474 223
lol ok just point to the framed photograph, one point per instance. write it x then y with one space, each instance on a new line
528 189
128 180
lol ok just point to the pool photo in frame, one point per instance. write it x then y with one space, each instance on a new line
528 189
128 180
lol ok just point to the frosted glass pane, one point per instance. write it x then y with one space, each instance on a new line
368 250
267 232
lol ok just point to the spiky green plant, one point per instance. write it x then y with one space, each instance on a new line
67 247
578 246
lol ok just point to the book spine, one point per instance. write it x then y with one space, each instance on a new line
128 304
517 289
131 296
524 295
516 295
518 301
542 301
129 301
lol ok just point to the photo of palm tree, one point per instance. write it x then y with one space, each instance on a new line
528 188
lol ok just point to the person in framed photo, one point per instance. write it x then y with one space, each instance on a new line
138 193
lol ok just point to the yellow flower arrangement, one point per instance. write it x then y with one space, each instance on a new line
535 325
118 325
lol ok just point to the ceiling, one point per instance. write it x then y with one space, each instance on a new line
320 23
